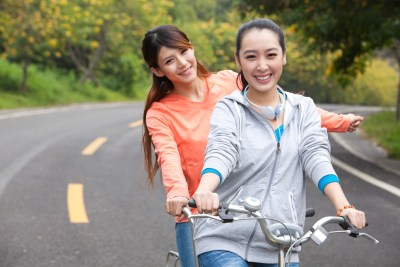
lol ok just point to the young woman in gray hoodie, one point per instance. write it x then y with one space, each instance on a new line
263 142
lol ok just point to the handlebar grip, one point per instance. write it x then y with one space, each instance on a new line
310 212
347 225
192 203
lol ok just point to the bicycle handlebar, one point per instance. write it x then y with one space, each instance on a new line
281 234
310 212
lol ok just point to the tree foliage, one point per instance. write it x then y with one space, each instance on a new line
78 34
99 41
26 30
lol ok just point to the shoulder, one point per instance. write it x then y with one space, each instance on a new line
225 74
297 99
224 79
157 110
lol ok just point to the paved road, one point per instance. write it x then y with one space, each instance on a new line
62 207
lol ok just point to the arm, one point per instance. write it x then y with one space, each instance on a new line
168 159
318 165
338 122
221 155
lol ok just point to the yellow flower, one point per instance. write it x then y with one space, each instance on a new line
292 29
52 42
94 44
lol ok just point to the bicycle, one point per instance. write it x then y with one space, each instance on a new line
284 236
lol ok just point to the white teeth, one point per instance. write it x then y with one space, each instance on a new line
263 78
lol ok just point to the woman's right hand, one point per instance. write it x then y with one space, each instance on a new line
206 202
174 205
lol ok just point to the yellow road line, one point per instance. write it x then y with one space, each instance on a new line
94 146
76 204
136 124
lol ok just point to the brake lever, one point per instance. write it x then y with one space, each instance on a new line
347 225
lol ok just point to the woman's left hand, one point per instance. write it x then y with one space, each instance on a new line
206 201
355 121
357 217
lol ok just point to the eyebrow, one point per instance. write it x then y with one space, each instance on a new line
170 56
253 50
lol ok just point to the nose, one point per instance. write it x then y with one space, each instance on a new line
262 64
181 61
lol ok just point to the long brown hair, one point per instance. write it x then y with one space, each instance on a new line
171 37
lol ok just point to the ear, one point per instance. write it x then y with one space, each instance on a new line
239 67
157 72
284 60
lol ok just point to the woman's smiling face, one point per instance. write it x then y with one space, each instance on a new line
178 65
261 59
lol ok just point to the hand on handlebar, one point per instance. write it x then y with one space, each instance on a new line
355 121
174 205
357 217
207 202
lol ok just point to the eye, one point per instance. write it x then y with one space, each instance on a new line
271 55
169 61
250 56
183 51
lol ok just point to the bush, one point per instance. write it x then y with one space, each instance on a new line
377 86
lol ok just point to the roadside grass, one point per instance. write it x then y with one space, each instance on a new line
383 128
48 88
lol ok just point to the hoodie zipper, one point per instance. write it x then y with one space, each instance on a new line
277 152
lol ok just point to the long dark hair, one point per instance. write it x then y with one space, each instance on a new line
171 37
260 24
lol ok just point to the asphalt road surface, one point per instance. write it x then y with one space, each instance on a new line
73 194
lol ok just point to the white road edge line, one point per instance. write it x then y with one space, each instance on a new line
43 111
136 124
366 177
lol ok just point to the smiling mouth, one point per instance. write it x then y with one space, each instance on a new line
263 78
186 71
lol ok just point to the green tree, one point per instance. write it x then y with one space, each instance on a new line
184 11
26 30
350 30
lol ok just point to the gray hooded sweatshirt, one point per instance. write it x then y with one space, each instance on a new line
243 147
